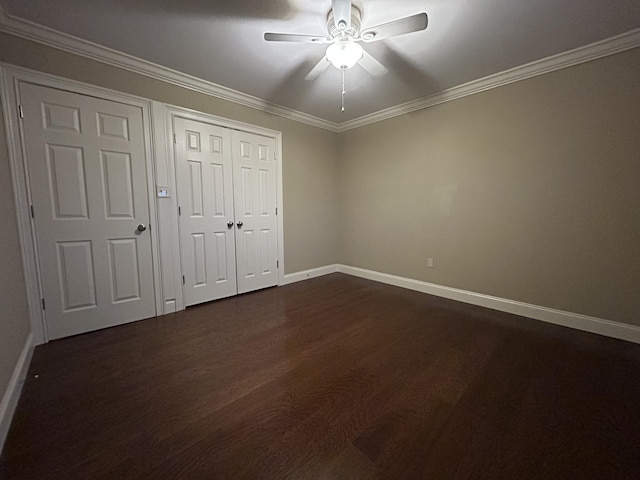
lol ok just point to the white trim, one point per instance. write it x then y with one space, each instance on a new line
280 207
167 214
173 226
62 41
9 95
14 388
587 53
308 274
195 115
149 148
21 197
577 321
47 36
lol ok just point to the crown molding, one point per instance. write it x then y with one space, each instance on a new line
52 38
587 53
47 36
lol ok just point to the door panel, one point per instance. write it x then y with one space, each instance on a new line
76 275
205 184
123 256
117 185
67 181
88 181
255 210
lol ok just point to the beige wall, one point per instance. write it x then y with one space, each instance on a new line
309 153
14 318
529 192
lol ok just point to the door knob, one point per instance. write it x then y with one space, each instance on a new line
142 227
229 224
240 224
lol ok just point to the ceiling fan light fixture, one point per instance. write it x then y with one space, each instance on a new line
344 55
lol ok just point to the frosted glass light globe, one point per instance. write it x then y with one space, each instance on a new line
344 54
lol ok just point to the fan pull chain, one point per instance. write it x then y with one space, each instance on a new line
344 92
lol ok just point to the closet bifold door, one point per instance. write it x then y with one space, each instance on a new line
254 187
205 195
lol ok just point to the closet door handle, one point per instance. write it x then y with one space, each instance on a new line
240 224
229 224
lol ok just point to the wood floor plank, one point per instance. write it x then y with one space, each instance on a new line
335 377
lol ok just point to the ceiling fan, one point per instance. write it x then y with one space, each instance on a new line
344 33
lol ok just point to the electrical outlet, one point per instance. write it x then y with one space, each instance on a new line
430 262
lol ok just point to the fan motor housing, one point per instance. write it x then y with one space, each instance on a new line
354 31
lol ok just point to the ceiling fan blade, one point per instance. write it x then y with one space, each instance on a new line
414 23
342 14
288 37
371 65
320 67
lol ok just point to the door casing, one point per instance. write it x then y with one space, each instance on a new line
172 112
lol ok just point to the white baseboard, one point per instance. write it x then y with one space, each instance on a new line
307 274
578 321
12 394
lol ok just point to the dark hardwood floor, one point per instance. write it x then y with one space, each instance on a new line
332 378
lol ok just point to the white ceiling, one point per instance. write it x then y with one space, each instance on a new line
222 42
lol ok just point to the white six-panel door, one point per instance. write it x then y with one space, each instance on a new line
88 181
227 198
254 182
205 185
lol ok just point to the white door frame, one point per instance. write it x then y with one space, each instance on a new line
170 112
10 78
